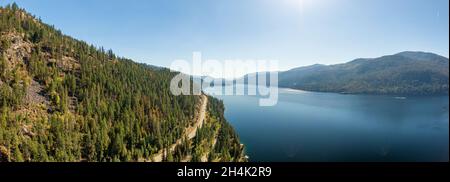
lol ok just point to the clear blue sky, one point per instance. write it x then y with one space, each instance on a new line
295 32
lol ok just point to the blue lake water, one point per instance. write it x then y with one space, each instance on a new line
317 127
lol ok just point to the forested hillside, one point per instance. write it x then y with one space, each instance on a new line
405 73
65 100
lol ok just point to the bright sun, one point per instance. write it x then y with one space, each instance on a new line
300 5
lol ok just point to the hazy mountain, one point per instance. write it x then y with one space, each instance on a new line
405 73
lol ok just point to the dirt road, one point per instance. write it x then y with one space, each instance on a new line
190 132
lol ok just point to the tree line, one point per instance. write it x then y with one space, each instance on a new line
98 106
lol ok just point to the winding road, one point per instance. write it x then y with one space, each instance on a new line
189 132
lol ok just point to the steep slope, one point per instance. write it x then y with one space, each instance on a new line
64 100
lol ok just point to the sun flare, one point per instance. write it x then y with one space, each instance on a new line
307 5
298 4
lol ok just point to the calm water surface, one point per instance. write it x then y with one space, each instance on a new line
310 126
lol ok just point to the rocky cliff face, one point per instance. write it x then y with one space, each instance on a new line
64 100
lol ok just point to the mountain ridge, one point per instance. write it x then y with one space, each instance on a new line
404 73
62 99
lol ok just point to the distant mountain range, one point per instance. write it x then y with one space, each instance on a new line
405 73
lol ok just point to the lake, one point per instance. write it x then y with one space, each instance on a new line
329 127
